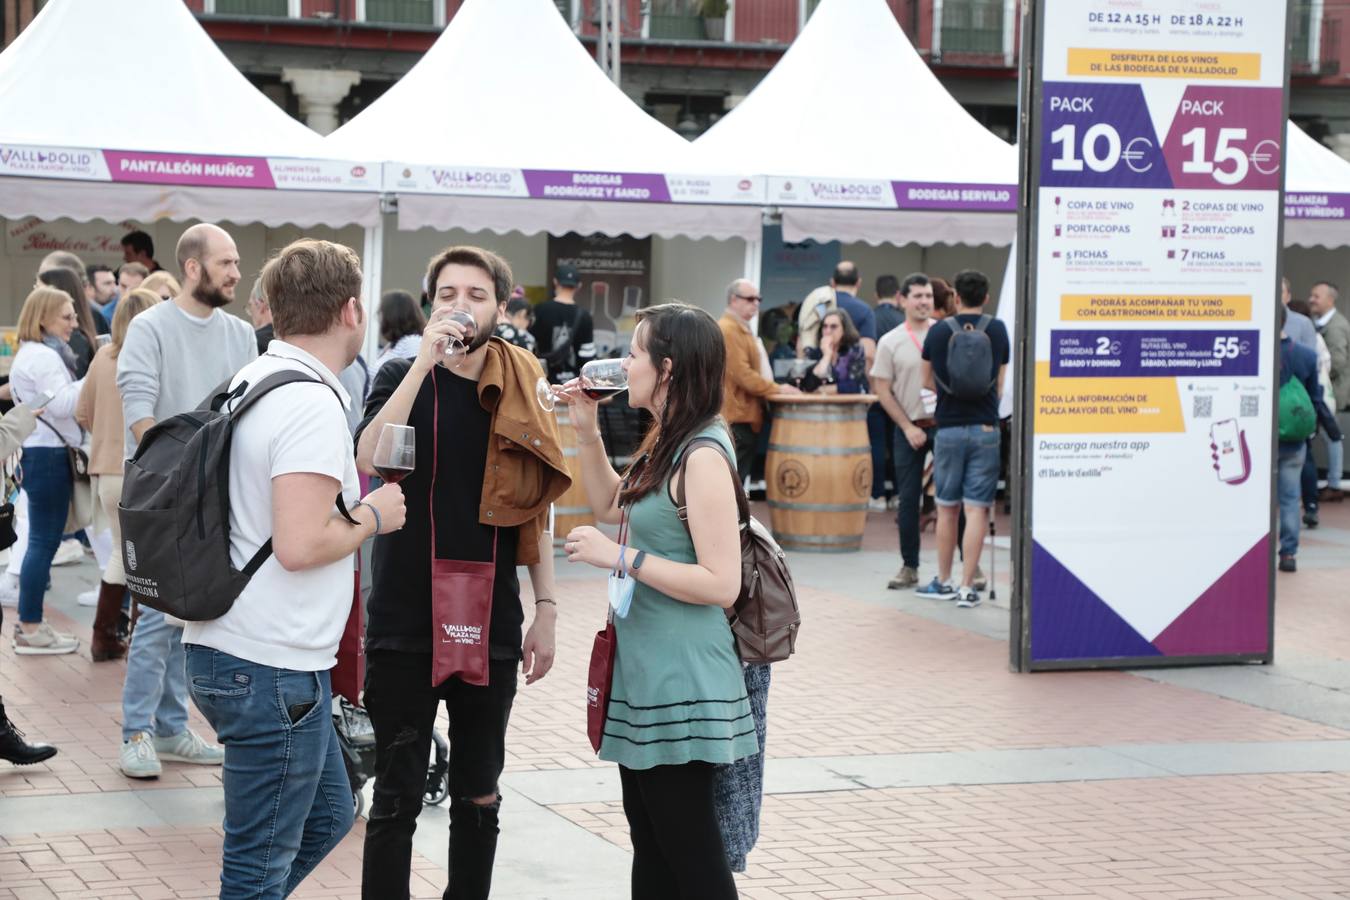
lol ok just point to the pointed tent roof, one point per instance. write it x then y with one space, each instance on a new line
853 68
500 114
209 129
1317 193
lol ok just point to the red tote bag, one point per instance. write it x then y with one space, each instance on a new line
349 675
598 682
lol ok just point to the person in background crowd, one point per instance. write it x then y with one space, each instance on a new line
845 282
842 360
888 313
897 377
564 333
1334 328
1331 431
139 247
745 386
163 284
100 289
99 410
401 325
678 704
83 340
514 324
287 797
61 259
813 308
488 464
129 277
966 445
174 355
944 299
260 314
15 427
1296 361
45 367
1298 324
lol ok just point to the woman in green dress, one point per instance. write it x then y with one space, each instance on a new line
678 704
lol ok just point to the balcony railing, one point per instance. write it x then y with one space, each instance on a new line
412 13
1317 42
250 7
402 12
676 20
972 26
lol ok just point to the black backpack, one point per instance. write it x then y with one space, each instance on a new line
175 508
765 618
970 361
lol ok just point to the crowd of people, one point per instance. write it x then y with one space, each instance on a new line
106 356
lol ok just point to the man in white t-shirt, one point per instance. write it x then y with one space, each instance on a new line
260 673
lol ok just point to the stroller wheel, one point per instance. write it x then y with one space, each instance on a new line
358 802
437 792
438 772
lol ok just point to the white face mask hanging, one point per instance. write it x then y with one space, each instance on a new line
620 582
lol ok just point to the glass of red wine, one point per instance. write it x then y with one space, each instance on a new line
396 453
601 378
456 350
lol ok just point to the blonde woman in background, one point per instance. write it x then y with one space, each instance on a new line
164 285
100 411
44 367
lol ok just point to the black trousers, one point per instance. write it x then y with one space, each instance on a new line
402 706
677 845
745 441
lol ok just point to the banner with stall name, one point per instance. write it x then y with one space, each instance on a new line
189 169
1152 243
558 184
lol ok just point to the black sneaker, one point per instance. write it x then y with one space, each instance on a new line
1310 519
18 751
1288 564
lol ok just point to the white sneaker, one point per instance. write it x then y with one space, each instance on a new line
70 551
45 641
876 504
893 503
188 747
9 591
87 598
138 758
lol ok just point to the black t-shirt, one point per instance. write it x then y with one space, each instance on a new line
264 337
558 325
952 411
399 611
888 317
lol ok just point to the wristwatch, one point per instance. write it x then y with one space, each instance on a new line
638 561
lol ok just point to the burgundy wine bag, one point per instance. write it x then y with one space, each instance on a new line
349 675
598 683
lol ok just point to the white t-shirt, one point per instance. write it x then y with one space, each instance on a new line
288 620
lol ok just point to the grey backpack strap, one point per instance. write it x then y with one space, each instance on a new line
681 507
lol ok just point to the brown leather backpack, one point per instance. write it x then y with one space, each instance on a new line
765 617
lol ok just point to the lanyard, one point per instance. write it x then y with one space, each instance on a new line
913 338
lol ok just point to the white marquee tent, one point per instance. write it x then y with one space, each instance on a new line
861 142
210 147
502 127
1317 193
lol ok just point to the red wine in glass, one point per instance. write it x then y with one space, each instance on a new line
600 393
393 474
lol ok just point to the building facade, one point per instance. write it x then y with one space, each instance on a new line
687 62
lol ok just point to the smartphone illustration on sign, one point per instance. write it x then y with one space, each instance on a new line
1228 452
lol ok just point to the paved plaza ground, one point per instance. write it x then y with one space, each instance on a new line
906 760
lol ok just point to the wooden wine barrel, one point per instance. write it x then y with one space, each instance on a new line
572 508
818 474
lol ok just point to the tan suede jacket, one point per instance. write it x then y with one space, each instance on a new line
525 466
744 389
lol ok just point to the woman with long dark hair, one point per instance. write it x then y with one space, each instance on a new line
84 339
401 325
841 362
678 702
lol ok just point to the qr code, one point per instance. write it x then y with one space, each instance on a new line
1202 406
1249 406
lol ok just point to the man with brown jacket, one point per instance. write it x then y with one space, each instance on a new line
745 383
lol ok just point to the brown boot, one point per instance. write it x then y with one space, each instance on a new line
106 644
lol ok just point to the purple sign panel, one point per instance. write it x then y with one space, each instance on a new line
189 168
1317 206
1227 138
1099 135
1154 354
617 186
976 197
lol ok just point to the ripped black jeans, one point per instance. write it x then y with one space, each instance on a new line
402 706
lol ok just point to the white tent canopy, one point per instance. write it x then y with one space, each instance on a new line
1317 193
212 147
834 126
507 126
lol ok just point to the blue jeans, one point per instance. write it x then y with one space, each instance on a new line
909 490
965 465
287 798
154 695
47 481
1290 491
878 428
1308 479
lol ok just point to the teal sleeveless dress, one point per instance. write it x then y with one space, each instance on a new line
678 694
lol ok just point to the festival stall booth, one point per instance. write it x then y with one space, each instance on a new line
96 143
513 138
861 145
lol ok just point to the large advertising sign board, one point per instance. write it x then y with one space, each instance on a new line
1153 164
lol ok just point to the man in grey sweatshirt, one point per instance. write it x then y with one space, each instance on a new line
174 355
